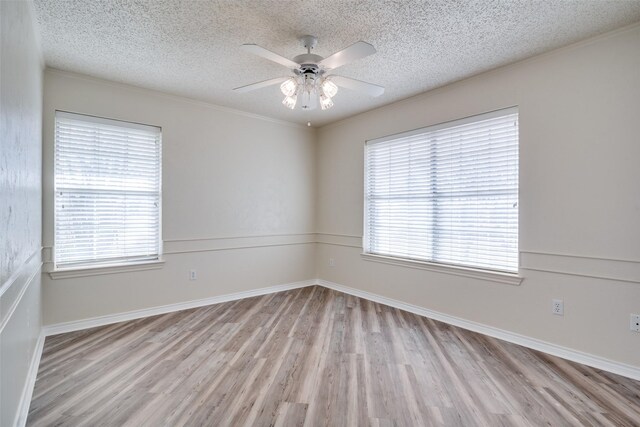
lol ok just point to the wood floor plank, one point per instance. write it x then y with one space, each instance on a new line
314 357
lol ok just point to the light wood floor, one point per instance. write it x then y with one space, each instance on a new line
313 356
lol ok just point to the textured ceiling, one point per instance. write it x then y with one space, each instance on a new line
192 48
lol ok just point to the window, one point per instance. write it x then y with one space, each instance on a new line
446 194
107 191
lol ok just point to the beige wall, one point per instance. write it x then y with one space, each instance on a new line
243 197
238 200
20 203
579 198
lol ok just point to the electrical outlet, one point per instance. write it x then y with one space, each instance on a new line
635 323
193 275
332 262
557 307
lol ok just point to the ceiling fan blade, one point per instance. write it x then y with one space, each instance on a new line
271 56
260 85
368 88
355 51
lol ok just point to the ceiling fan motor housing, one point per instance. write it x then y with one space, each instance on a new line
308 59
309 71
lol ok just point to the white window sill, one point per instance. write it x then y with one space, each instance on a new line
97 270
475 273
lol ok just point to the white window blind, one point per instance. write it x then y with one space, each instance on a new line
447 193
107 191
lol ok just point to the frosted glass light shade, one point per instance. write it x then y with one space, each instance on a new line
290 101
289 87
325 102
329 88
309 91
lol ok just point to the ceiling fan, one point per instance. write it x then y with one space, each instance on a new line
311 84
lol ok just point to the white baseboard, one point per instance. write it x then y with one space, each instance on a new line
533 343
27 391
77 325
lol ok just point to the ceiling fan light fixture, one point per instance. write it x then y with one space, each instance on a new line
290 101
325 102
329 88
310 85
289 87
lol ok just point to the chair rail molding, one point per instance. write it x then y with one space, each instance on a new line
14 288
581 265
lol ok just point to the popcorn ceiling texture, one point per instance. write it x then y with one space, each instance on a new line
192 48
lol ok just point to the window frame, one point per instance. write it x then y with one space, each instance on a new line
496 275
105 266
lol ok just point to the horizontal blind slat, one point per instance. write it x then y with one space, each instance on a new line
446 194
107 191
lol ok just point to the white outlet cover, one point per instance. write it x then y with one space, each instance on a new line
635 323
557 307
193 275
